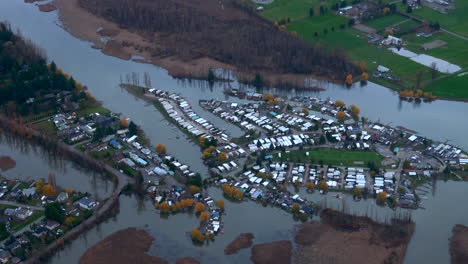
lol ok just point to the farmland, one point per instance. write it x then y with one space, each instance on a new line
453 86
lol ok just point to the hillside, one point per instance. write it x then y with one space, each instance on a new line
228 32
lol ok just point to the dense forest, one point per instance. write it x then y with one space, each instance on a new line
28 85
228 31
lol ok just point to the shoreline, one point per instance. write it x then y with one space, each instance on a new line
88 27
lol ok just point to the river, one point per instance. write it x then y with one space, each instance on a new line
440 120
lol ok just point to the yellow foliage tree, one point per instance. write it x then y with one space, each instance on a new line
268 97
349 79
161 148
305 111
164 207
69 221
357 191
310 186
295 208
385 11
381 197
238 194
187 202
341 115
202 141
222 156
355 110
204 216
48 190
39 186
339 103
323 186
197 235
199 207
220 204
69 191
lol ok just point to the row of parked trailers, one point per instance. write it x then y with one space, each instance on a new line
283 141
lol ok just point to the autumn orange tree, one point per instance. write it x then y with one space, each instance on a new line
194 189
355 110
220 204
161 148
202 141
268 96
187 202
222 156
349 79
204 216
199 207
341 116
124 122
197 235
305 111
164 207
69 191
48 190
364 76
362 66
381 197
339 103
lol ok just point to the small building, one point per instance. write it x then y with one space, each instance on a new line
5 256
51 224
86 203
383 69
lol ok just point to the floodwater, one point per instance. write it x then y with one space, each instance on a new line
33 162
439 120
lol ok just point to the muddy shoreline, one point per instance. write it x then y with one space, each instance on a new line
125 44
7 163
126 246
242 241
459 245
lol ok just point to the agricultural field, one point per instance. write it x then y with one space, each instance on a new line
453 86
294 9
332 157
308 26
456 21
385 21
455 50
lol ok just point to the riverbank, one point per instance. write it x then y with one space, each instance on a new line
125 246
343 238
459 245
122 43
7 163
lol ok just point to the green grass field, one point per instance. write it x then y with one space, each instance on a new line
332 157
308 26
456 50
46 126
293 9
454 86
385 21
456 20
93 109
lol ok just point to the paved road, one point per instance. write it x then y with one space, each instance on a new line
454 34
21 205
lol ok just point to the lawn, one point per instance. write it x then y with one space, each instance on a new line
46 127
93 109
308 26
36 215
332 157
454 86
456 20
385 21
455 51
293 9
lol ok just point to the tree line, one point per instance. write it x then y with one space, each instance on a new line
237 35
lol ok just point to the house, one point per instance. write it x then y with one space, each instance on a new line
383 69
62 197
5 256
115 144
20 213
29 192
40 231
51 225
86 203
15 260
391 40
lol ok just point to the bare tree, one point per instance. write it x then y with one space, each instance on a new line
434 70
147 80
418 79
